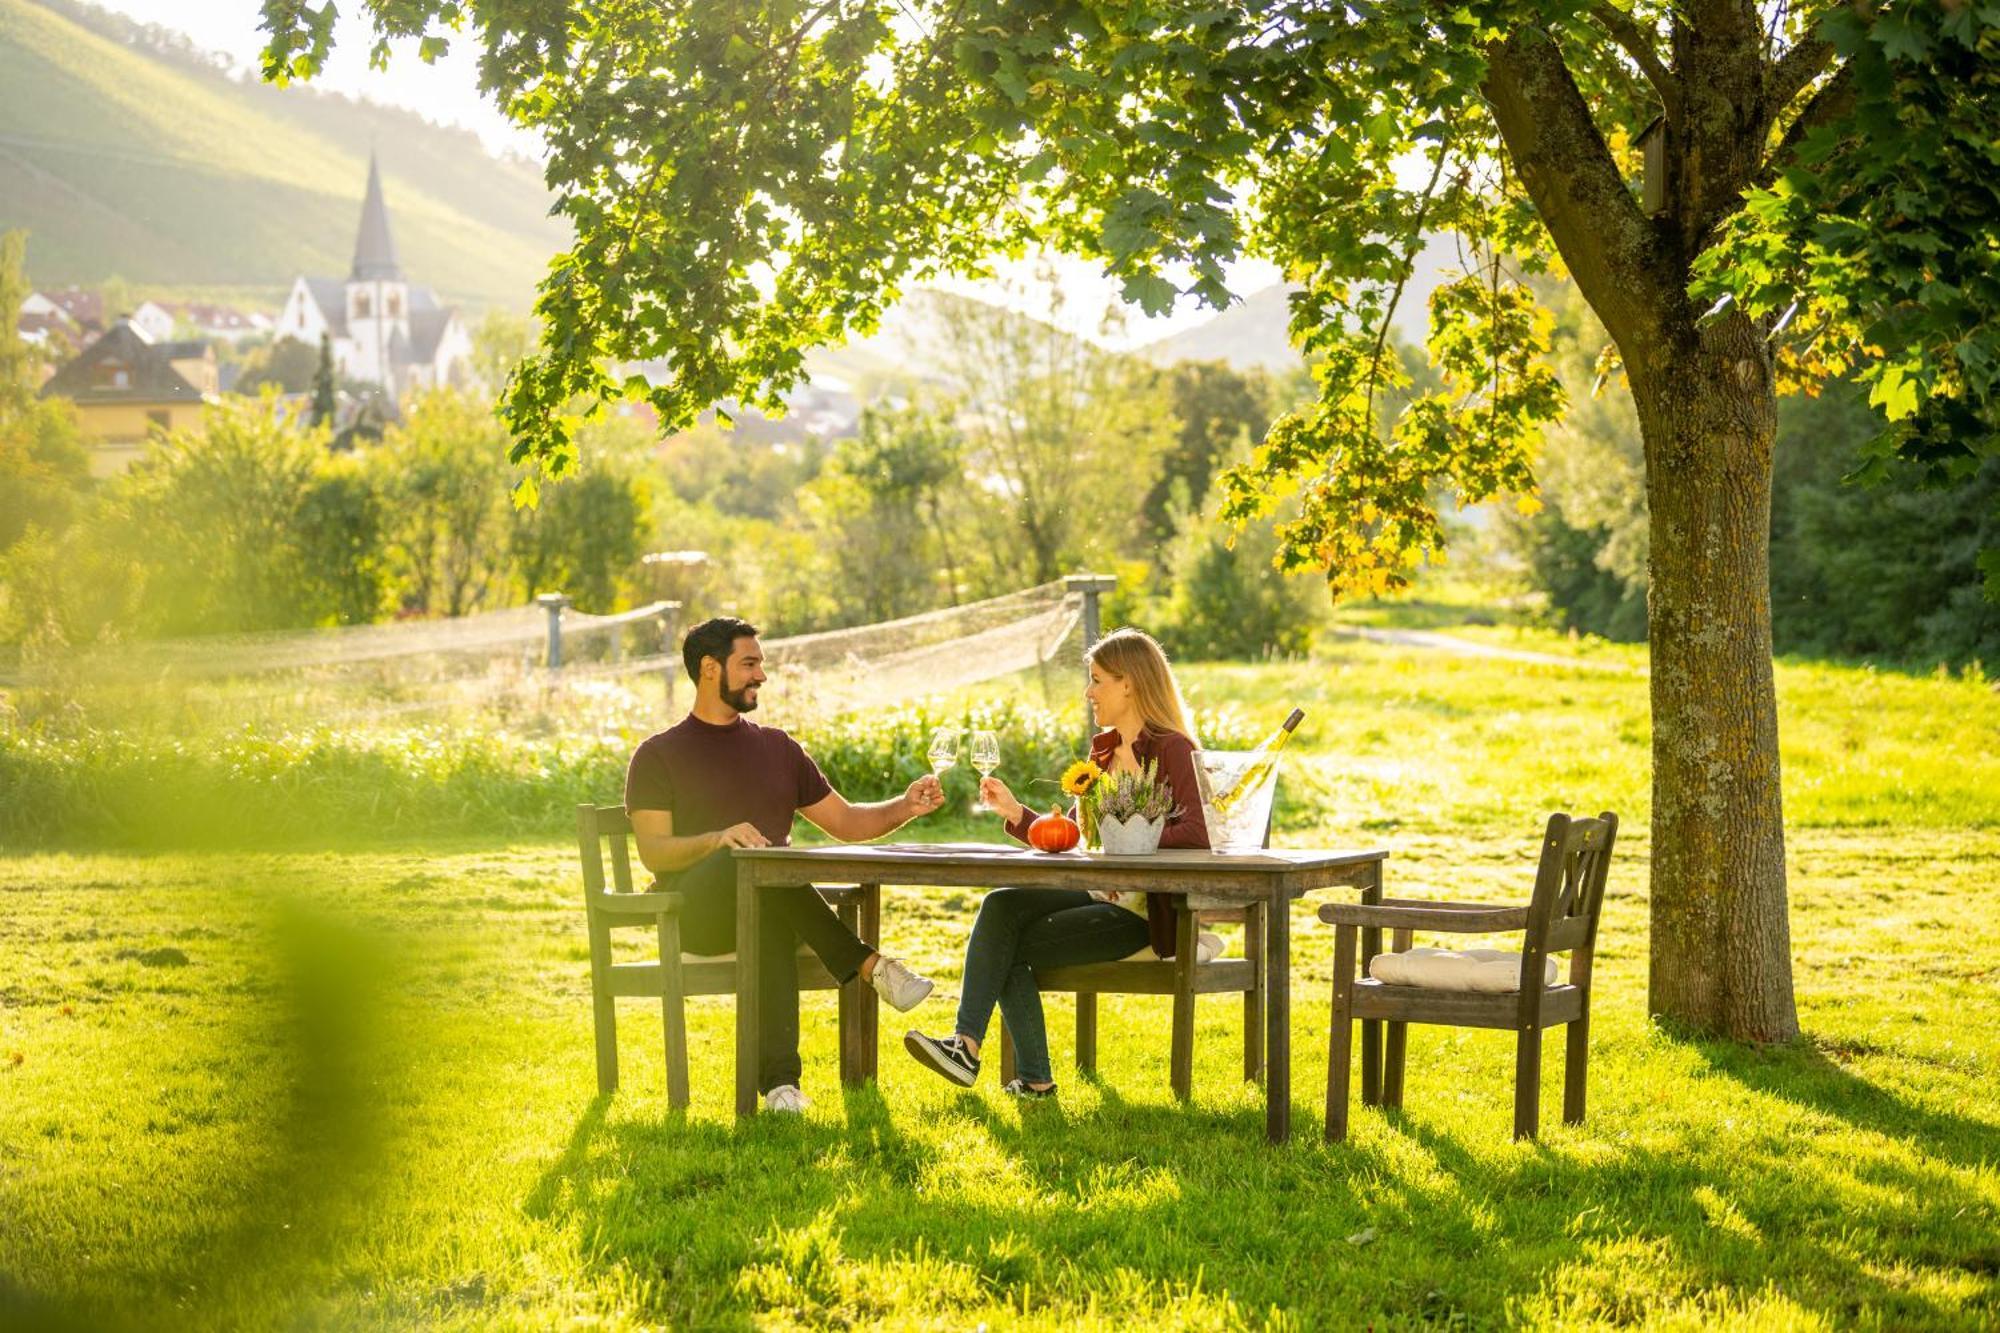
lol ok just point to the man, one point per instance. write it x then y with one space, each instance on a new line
715 780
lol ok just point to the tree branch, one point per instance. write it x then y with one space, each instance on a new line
1409 256
1625 31
1834 100
1795 69
1570 175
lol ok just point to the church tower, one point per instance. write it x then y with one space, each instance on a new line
378 298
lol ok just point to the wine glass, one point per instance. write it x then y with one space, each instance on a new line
944 750
985 753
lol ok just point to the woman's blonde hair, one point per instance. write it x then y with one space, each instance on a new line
1135 656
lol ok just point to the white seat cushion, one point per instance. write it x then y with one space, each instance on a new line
1207 948
1455 969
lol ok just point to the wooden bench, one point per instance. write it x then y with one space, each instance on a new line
604 837
1181 977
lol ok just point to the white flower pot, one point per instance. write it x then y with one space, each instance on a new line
1130 837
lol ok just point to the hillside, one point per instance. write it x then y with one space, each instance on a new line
119 157
1251 333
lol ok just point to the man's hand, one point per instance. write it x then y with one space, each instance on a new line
740 835
924 795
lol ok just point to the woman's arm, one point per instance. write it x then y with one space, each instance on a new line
1190 828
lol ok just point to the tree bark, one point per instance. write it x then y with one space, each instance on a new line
1721 941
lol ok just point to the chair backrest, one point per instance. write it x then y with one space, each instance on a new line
596 827
1569 889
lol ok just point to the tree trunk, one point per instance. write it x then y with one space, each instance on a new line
1721 942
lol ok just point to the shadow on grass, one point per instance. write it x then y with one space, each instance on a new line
1860 1235
1801 1073
1046 1209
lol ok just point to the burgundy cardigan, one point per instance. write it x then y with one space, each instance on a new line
1187 828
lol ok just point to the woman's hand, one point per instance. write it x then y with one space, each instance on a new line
998 799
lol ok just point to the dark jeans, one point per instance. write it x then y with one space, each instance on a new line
790 916
1019 930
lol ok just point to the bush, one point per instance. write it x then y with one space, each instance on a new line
319 785
1228 601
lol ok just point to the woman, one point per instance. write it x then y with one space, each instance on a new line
1133 697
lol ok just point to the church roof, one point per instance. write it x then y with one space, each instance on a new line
427 330
146 366
374 248
330 295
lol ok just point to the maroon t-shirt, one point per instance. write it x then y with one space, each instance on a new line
709 777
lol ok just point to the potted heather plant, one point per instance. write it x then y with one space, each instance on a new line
1131 810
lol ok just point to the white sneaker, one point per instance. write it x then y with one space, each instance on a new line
902 988
786 1097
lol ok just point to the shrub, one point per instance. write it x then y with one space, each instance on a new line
317 785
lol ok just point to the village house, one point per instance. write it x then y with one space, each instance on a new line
125 386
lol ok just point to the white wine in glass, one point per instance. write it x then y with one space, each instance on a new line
944 750
985 753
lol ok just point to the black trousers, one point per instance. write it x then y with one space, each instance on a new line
790 916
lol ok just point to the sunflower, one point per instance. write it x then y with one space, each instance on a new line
1080 777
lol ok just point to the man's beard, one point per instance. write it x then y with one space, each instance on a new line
739 700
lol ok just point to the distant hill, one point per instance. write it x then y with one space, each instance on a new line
124 152
1249 335
913 347
1252 333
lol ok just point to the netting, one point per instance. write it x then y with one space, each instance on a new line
896 660
521 664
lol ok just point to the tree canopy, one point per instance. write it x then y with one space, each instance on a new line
748 178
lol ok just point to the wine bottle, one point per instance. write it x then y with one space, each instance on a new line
1262 760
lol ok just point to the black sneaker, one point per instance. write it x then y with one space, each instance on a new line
1019 1087
947 1055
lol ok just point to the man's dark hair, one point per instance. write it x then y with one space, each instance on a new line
713 638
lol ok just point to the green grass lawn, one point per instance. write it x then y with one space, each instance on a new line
355 1088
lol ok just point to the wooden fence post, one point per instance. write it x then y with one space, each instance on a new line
553 603
1092 586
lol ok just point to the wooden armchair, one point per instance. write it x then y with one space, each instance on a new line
676 975
1561 917
1181 977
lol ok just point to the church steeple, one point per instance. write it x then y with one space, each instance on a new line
374 248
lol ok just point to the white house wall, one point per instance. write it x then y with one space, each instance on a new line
301 318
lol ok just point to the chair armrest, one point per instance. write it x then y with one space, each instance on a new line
1453 918
654 902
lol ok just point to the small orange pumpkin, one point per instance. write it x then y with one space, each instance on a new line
1053 832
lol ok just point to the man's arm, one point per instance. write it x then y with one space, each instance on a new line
663 854
837 817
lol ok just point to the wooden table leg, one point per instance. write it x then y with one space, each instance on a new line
870 1034
1181 1062
851 1000
1371 1029
749 1059
1278 1016
1253 999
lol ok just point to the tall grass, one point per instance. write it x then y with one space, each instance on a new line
325 786
1394 738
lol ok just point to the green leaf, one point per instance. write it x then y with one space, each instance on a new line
1153 293
1895 393
1900 38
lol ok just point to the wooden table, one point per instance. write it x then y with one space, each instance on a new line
1274 877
